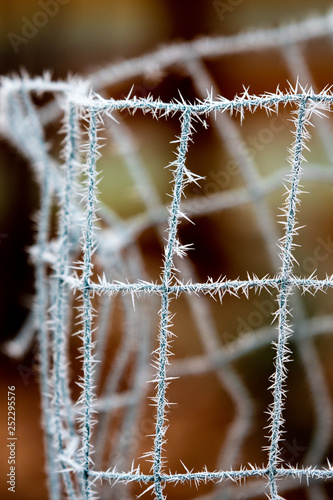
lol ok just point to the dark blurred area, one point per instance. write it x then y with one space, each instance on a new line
79 37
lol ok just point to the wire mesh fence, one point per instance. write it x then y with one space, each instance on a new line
105 301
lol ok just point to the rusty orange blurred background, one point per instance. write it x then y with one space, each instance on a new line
79 37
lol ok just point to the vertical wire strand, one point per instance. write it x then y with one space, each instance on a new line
63 414
165 303
40 157
298 67
284 330
88 250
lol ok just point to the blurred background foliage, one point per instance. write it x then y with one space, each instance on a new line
82 37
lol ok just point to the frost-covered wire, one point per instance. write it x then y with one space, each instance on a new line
91 280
